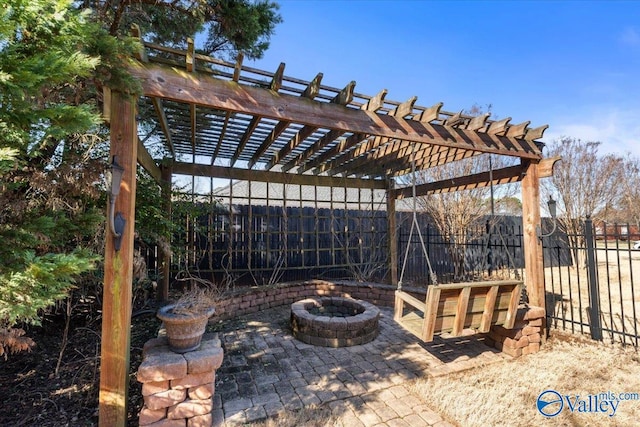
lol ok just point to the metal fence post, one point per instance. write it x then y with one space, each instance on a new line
594 295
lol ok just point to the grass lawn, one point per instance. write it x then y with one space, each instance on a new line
506 393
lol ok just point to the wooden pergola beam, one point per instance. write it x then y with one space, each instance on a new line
141 55
432 157
251 127
373 105
190 60
164 124
402 110
477 180
344 97
182 168
330 136
455 120
532 245
205 90
147 162
311 91
436 158
478 122
396 153
391 156
360 152
223 132
483 179
266 143
276 81
499 127
374 148
342 145
398 158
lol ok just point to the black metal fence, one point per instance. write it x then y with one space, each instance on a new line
265 244
590 276
490 249
594 290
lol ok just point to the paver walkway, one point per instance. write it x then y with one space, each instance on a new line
266 370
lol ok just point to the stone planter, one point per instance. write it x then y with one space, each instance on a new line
184 331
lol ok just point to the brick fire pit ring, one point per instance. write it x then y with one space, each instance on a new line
334 321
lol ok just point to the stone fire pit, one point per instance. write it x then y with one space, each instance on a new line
334 321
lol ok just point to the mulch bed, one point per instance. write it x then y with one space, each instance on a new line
31 394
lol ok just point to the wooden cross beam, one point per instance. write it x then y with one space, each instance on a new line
206 90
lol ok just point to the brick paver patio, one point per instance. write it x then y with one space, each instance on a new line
266 370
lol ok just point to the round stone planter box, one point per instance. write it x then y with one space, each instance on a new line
184 331
334 321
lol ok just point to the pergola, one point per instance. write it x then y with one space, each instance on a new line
228 120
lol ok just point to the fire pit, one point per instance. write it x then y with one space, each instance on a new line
334 321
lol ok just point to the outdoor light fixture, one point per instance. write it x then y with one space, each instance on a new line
551 204
116 220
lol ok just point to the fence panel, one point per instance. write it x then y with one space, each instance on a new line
491 249
266 244
596 293
591 277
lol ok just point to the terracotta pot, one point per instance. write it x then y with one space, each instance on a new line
184 331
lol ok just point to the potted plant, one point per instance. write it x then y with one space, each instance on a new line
185 320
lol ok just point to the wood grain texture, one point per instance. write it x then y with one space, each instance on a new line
215 171
534 273
118 272
487 312
205 90
461 311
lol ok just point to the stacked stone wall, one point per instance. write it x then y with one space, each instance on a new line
526 335
178 388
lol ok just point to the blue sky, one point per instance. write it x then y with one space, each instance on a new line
574 65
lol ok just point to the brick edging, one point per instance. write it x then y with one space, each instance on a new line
252 300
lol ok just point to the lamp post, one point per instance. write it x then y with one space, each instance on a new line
116 220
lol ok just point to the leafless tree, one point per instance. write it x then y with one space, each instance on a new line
457 215
627 208
586 183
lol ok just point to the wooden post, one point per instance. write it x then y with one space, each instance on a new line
118 271
163 292
534 272
392 236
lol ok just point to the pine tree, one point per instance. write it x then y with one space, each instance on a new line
49 168
228 26
55 58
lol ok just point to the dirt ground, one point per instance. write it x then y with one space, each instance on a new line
31 394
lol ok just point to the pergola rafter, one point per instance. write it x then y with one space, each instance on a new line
321 120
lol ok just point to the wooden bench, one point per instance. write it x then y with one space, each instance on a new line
454 307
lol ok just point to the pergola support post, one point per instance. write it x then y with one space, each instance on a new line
118 271
165 182
392 236
534 271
